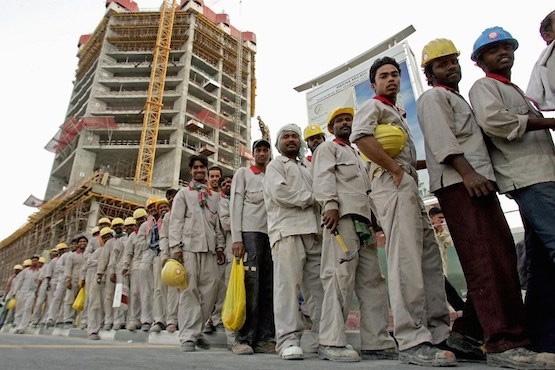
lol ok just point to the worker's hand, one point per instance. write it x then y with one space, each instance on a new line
178 256
477 185
398 176
81 283
221 257
98 278
124 272
330 219
113 278
238 249
69 285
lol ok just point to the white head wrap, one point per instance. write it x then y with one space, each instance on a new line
295 128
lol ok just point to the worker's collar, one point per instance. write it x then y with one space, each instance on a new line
340 142
499 78
446 87
386 101
255 169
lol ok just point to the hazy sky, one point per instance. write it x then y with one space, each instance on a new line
297 41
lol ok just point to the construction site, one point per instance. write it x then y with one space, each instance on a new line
151 89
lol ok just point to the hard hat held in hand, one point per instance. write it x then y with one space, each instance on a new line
174 274
392 138
11 304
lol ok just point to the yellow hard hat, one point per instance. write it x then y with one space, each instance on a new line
61 246
436 49
312 130
117 221
11 304
129 221
53 250
95 229
104 220
174 274
162 201
151 200
391 137
140 212
18 267
27 263
336 112
106 231
42 260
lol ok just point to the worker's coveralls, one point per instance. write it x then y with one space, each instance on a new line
225 224
55 307
109 287
216 316
26 286
113 269
94 292
72 272
414 271
195 230
159 289
249 226
40 308
172 294
93 244
341 184
146 275
133 254
524 166
296 246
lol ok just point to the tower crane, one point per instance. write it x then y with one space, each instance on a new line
154 105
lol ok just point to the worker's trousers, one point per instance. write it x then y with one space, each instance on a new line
40 308
95 312
361 275
173 303
55 308
216 317
160 293
68 311
414 270
146 287
296 258
108 300
134 311
24 310
197 300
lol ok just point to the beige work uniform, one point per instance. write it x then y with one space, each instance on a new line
159 289
116 256
195 230
26 289
172 294
146 274
341 183
40 308
296 246
55 307
415 276
94 292
72 272
133 252
109 287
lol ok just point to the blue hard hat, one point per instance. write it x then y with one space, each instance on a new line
490 36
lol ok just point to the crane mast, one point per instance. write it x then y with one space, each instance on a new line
238 99
154 105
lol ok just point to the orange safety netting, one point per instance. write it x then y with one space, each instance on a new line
73 126
211 118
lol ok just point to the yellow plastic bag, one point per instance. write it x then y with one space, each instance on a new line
79 302
234 310
11 304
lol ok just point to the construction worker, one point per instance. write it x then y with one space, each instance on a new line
134 248
172 297
196 240
72 273
40 310
102 270
58 284
113 270
92 245
225 223
116 264
293 231
25 290
249 233
314 136
160 291
341 187
16 270
462 178
522 153
415 277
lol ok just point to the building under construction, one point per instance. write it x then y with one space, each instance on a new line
152 88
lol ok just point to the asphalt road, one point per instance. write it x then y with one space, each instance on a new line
35 352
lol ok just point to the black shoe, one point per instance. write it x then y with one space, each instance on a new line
208 328
464 347
425 354
202 343
380 354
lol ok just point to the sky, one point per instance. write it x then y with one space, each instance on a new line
296 42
